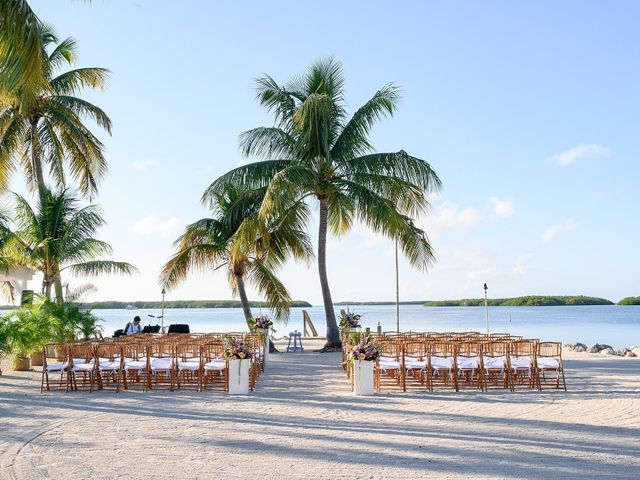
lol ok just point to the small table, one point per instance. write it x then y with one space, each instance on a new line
296 336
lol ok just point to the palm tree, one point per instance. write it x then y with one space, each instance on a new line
21 53
49 130
251 250
315 151
59 236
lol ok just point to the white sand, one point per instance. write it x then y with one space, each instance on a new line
302 422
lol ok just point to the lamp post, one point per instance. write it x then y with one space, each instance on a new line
163 294
486 307
397 292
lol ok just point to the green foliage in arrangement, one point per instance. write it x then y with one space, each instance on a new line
630 301
528 301
186 304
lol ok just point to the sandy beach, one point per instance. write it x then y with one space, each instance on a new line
303 422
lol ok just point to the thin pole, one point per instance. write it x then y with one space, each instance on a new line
486 308
397 292
163 292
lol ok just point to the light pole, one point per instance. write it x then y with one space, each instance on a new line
163 294
397 292
486 307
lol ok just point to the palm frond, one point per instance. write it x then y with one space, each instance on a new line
94 268
74 81
271 288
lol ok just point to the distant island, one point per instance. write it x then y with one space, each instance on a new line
111 304
630 301
413 302
527 301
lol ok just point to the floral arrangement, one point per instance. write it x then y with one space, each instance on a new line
364 349
261 322
237 350
350 320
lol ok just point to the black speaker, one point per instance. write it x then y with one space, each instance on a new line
179 328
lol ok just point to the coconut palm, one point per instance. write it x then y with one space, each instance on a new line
21 53
250 250
316 151
58 237
49 130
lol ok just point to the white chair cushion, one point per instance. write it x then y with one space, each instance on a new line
160 364
215 365
523 362
83 367
388 364
468 363
416 364
441 363
56 367
495 363
115 365
191 365
135 365
547 362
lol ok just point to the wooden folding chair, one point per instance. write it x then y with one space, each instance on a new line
161 364
469 370
55 361
214 366
522 362
441 365
495 361
549 360
189 364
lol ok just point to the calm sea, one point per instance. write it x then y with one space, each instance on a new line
614 325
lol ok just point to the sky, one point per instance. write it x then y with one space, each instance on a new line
528 111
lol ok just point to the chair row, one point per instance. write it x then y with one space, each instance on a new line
147 362
476 361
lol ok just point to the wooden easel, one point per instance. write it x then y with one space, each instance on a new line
308 323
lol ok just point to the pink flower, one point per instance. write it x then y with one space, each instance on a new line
362 356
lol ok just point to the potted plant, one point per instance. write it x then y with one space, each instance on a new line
361 355
263 324
21 338
239 359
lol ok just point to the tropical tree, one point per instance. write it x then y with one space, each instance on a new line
315 151
237 239
48 129
58 236
21 53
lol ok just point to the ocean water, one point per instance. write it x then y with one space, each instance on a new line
615 325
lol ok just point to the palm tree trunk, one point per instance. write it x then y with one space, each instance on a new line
333 334
36 162
244 300
246 308
57 283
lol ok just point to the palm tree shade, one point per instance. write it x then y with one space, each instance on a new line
315 151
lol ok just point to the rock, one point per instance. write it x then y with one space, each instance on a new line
596 348
630 354
607 351
636 350
576 347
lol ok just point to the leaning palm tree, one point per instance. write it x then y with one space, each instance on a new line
58 237
250 250
315 151
49 130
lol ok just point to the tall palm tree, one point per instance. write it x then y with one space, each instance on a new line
21 52
58 236
316 151
50 129
251 250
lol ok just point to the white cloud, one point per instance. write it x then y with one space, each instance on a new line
155 225
583 150
520 267
502 208
554 230
447 215
143 165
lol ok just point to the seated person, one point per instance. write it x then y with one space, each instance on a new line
133 328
